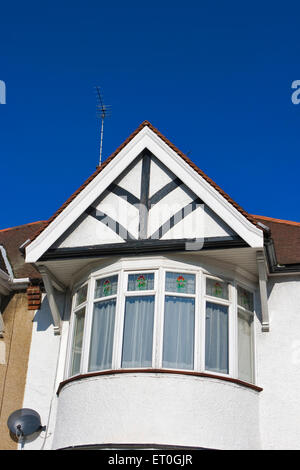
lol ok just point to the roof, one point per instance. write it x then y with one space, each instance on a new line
286 237
11 239
117 151
285 234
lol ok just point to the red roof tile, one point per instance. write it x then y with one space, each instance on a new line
11 239
286 237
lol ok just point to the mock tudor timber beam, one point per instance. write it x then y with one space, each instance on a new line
263 277
51 299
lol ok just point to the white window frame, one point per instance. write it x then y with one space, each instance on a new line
231 314
253 338
75 309
121 311
196 313
160 268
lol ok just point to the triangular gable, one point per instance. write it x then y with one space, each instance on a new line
170 211
146 190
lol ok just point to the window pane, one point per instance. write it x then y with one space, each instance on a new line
245 346
77 341
138 331
179 328
81 295
216 338
245 299
143 281
106 286
180 282
216 288
102 335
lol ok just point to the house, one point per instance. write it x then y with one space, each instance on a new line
163 314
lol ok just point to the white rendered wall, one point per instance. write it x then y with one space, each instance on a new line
43 372
157 409
278 364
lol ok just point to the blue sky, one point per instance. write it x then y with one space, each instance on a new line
214 77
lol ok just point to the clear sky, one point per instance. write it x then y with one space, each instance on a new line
214 77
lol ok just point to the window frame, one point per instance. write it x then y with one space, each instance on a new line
127 293
160 269
74 309
253 336
228 303
165 293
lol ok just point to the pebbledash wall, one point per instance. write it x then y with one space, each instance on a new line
168 409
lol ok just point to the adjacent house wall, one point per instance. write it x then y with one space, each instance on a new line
44 370
14 353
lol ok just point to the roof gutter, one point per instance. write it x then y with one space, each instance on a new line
11 282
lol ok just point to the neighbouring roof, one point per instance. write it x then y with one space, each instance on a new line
11 239
286 237
113 155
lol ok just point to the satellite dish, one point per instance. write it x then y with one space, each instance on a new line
24 422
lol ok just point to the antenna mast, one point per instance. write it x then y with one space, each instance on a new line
103 111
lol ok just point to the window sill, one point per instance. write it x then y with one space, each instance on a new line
158 371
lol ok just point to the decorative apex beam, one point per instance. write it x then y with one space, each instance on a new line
263 277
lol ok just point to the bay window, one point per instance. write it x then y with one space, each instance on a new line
162 318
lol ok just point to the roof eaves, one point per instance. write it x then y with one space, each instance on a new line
277 221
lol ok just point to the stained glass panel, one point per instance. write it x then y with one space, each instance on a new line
180 282
216 288
141 281
106 286
245 299
81 295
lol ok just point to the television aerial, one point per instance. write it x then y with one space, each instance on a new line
103 112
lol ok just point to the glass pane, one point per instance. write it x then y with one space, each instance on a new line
140 281
77 341
245 355
245 299
179 328
106 286
102 336
180 282
216 338
138 331
216 288
81 295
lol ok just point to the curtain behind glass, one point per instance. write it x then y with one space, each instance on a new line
102 335
138 331
77 341
216 338
245 346
179 329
